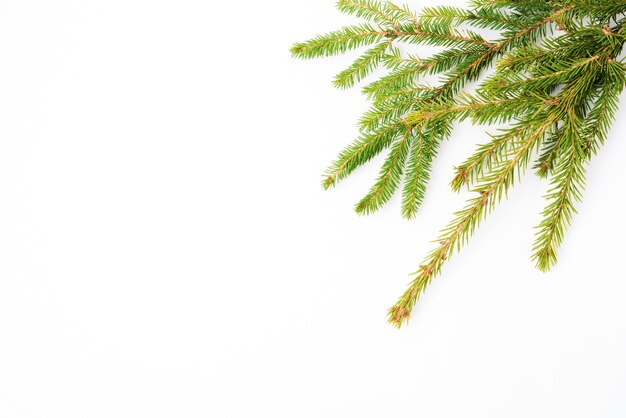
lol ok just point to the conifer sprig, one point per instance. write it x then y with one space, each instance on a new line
557 81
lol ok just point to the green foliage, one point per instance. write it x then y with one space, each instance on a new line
338 42
556 77
361 67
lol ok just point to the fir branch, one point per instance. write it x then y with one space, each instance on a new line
482 18
548 158
407 71
486 157
362 66
404 13
566 188
423 151
442 36
389 109
368 9
602 114
490 191
363 149
489 111
389 178
557 91
338 42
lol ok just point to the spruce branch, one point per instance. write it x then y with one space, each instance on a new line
360 151
422 153
390 175
489 191
362 66
338 42
566 188
556 83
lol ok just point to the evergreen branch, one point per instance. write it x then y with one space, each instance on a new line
389 178
368 9
410 90
338 42
404 13
422 153
393 108
547 160
576 143
566 186
359 152
603 113
602 11
558 93
533 57
486 157
465 72
399 78
471 70
407 71
548 79
442 36
482 18
513 4
361 67
492 111
466 221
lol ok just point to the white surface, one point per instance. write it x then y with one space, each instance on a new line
166 250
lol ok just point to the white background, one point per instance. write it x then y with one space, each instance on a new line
166 249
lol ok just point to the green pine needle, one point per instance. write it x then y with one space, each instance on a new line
555 77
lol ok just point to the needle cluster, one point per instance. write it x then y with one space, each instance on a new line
553 74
